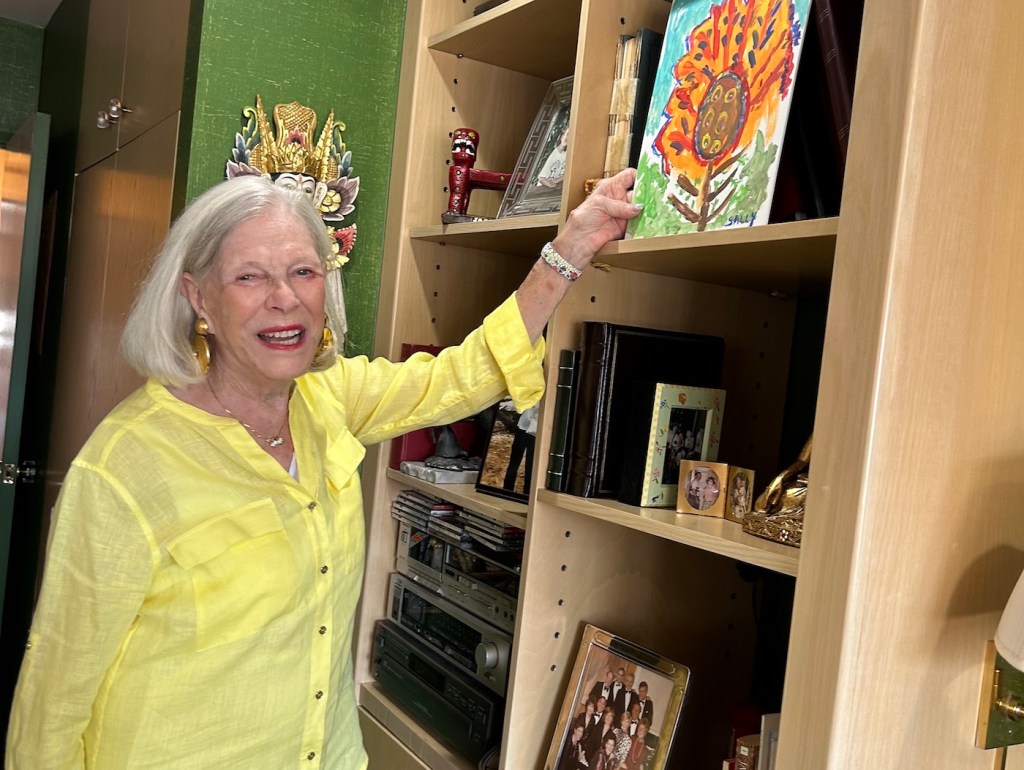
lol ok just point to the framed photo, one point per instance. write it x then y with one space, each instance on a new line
686 424
507 464
536 186
622 707
741 494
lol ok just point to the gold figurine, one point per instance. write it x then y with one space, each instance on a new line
779 511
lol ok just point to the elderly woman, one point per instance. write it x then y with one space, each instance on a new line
207 548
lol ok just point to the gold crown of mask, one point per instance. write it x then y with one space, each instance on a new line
289 148
288 155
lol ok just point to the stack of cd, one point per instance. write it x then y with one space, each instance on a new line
492 532
424 511
432 514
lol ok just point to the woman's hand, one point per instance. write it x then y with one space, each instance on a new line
599 219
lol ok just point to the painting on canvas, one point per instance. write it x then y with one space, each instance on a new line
718 115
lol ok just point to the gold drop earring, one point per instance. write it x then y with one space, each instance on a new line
326 342
200 345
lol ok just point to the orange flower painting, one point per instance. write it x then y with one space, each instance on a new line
719 112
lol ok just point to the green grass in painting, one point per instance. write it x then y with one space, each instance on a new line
750 192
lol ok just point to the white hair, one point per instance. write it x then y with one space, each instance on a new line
157 337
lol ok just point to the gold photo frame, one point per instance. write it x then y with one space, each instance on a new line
659 691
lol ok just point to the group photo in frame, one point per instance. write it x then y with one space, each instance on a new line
506 468
676 424
536 186
622 707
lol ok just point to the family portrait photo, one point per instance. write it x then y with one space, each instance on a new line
685 440
621 709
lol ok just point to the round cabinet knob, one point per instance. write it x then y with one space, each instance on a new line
102 119
117 110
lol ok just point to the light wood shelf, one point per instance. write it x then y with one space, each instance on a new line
506 511
783 259
788 258
414 737
497 37
707 533
510 235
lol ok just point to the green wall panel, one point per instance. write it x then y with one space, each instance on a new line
342 55
21 61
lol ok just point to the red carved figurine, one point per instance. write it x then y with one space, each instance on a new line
463 178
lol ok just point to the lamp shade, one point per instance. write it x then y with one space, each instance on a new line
1010 632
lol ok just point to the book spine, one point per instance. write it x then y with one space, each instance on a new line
620 107
589 429
834 63
648 54
561 428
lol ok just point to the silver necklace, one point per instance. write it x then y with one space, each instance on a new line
272 441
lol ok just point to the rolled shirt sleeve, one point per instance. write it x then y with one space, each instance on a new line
385 399
519 362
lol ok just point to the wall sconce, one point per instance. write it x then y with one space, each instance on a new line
1001 714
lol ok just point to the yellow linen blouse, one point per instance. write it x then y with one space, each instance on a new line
198 602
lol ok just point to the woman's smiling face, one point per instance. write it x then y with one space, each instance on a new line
264 302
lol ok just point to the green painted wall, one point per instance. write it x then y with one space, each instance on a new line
21 60
342 55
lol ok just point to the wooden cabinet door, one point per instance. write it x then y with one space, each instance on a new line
142 191
78 360
102 79
121 213
154 64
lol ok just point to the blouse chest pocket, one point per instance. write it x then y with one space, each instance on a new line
243 572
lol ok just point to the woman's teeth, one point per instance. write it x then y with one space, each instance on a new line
282 338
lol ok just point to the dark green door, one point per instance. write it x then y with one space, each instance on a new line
21 207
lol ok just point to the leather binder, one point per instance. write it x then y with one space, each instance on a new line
613 356
561 425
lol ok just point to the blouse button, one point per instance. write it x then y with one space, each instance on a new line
319 694
323 570
311 755
312 506
323 630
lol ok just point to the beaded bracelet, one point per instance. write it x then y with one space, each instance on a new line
561 265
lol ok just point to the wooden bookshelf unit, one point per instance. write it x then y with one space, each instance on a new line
902 572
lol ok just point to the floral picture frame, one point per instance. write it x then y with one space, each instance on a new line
686 424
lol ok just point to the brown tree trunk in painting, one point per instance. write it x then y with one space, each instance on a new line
704 199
